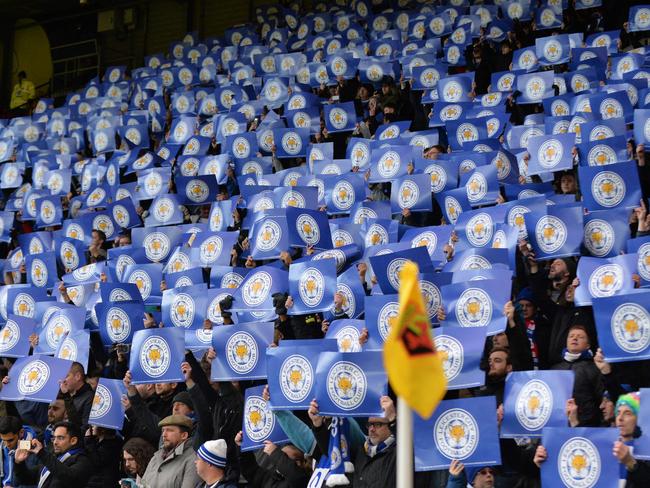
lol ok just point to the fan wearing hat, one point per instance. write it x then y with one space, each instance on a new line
634 473
172 465
477 477
211 465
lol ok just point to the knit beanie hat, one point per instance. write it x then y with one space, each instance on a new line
631 400
214 453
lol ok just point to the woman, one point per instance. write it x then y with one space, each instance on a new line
136 454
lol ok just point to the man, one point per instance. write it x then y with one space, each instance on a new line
77 395
55 414
499 365
535 326
211 463
68 466
11 431
171 466
23 93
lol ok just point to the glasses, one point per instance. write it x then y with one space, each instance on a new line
377 425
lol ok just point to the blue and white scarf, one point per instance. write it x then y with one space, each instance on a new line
45 473
338 455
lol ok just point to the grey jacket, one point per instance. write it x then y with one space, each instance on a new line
177 470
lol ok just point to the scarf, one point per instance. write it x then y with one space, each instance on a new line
338 453
45 473
572 357
372 450
8 457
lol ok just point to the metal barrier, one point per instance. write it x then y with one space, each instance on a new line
72 65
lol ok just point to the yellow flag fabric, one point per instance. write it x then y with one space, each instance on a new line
414 368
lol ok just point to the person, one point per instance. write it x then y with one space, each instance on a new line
499 365
66 466
55 414
96 251
460 476
171 466
103 448
588 385
77 395
23 93
136 454
11 432
211 463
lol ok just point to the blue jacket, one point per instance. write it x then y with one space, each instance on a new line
7 471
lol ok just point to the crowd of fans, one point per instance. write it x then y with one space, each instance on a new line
188 434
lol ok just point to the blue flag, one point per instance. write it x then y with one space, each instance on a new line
387 267
550 153
535 87
411 192
185 306
241 351
342 192
352 292
552 50
346 332
481 185
350 384
641 246
269 237
291 371
164 210
75 347
464 429
606 232
35 378
259 423
340 117
59 324
461 350
156 356
616 185
579 456
381 312
604 277
258 287
639 18
308 228
291 143
600 151
14 336
41 269
118 321
389 163
555 232
476 304
213 248
107 410
312 285
534 400
197 190
623 324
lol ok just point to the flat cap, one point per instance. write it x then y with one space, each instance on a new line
177 420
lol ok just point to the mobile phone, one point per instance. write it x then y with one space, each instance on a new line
26 445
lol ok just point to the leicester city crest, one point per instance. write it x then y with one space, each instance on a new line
311 287
599 237
346 385
579 463
291 143
268 236
242 352
142 280
479 229
39 273
389 164
551 233
256 289
534 405
156 246
155 356
296 378
101 402
308 229
211 249
338 118
550 153
474 308
386 318
9 336
450 351
118 325
456 434
608 189
408 194
33 377
606 280
197 191
57 328
182 310
258 419
631 327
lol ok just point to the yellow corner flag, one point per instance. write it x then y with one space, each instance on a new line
414 368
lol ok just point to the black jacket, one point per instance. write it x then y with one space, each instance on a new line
587 390
75 471
377 471
285 475
105 456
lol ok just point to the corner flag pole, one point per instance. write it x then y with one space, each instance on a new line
404 444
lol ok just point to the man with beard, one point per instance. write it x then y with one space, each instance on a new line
173 465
